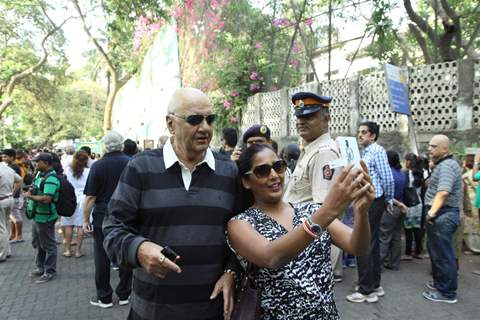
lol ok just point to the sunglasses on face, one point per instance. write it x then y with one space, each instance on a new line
263 171
196 119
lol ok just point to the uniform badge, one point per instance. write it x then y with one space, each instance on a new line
328 172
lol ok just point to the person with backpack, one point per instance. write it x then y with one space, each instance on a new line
42 209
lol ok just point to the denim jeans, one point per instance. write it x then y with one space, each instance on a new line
440 245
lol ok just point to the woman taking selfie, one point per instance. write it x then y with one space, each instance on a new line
290 244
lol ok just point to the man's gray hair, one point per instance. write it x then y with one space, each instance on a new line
112 141
70 150
324 112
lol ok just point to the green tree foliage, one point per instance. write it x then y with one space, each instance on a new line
233 49
440 30
28 37
45 113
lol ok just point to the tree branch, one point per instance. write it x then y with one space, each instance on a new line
8 89
308 51
449 10
421 42
420 22
404 48
95 42
456 25
292 41
473 37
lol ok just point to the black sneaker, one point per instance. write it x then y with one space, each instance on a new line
438 297
36 272
45 278
95 301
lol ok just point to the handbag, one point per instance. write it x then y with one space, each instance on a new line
247 297
410 196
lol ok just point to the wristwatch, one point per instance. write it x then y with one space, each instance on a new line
315 228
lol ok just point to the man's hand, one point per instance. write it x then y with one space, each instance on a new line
154 262
431 218
87 227
402 207
225 284
389 208
236 154
364 202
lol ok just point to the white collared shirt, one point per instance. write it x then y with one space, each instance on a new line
170 158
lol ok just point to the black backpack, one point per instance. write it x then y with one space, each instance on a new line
67 201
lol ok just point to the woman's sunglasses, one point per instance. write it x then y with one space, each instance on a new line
263 171
196 119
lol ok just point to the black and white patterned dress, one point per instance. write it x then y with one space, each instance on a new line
303 288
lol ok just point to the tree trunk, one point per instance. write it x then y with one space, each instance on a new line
107 115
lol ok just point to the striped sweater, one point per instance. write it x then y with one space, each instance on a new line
151 203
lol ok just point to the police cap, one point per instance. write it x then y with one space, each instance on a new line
305 103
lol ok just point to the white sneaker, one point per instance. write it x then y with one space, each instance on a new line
378 291
357 297
94 301
123 302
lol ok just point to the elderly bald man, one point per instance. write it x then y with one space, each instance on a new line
181 196
442 200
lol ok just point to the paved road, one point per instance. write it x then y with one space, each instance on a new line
67 297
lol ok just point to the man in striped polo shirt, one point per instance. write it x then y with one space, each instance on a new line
442 202
180 196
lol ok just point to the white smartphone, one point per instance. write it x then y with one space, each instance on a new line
349 152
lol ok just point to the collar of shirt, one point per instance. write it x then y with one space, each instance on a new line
314 144
170 158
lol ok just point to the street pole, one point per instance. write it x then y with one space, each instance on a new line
329 38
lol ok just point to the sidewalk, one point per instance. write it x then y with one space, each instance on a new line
67 297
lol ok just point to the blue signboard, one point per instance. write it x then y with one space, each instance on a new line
397 88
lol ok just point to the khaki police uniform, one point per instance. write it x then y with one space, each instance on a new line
313 177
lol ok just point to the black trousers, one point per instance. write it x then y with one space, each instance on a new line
409 235
368 266
102 272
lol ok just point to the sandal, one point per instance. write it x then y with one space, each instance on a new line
79 255
67 254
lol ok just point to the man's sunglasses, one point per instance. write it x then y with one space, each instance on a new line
263 171
196 119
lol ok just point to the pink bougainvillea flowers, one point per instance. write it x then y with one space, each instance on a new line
234 93
253 76
227 104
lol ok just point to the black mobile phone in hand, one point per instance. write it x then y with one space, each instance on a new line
170 254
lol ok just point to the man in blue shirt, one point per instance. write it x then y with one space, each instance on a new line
369 267
101 183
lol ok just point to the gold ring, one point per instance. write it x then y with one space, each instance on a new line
162 260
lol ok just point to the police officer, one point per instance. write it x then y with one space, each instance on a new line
256 134
313 176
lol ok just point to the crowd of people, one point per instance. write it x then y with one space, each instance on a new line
182 223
